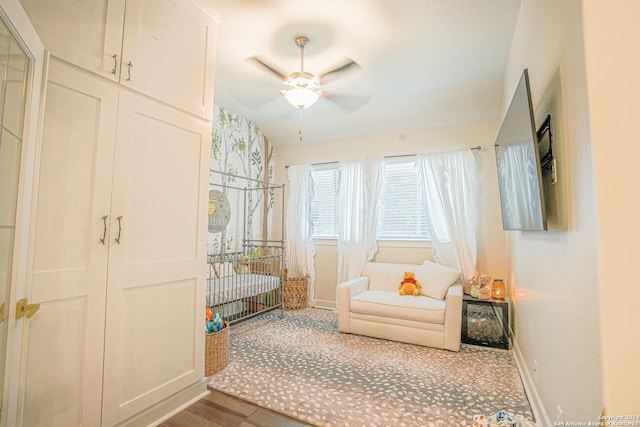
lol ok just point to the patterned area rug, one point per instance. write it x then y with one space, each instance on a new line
301 366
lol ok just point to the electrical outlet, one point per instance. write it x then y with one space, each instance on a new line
535 370
559 414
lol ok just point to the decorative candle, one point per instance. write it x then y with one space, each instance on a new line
498 289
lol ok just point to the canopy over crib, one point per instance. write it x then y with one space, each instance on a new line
246 269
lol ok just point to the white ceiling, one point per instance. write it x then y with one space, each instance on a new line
423 63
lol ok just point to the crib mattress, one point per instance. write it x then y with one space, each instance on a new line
232 288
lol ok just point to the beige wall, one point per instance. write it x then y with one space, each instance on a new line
613 67
573 286
555 272
556 294
491 241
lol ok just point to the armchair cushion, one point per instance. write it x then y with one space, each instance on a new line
436 279
392 305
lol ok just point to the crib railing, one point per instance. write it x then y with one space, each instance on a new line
247 283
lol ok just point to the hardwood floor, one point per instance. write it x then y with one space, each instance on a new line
219 409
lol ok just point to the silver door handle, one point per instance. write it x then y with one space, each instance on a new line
104 231
129 65
115 63
119 228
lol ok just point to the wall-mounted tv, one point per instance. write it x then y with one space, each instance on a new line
518 161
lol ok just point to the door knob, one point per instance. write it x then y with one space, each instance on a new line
24 309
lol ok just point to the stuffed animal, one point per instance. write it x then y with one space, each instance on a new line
409 284
243 268
215 324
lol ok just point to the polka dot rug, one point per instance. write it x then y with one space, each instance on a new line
301 366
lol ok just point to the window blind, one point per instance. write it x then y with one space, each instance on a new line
323 205
402 214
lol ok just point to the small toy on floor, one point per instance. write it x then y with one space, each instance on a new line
501 419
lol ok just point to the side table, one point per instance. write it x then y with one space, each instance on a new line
485 322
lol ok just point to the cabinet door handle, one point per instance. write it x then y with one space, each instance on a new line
104 231
115 63
119 228
129 65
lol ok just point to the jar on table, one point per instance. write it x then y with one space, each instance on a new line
475 288
466 288
498 289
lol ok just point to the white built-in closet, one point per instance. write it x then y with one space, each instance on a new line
118 231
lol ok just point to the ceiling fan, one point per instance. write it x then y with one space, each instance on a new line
303 88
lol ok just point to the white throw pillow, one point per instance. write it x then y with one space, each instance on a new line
436 279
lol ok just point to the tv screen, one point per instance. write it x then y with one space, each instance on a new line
518 162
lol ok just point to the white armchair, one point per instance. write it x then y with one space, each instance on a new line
371 305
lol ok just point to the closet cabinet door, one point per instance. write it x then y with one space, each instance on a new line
162 48
168 53
64 346
155 336
84 33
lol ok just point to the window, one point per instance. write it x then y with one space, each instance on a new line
324 203
402 211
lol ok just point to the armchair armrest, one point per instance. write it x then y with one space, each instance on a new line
454 291
453 318
346 291
353 287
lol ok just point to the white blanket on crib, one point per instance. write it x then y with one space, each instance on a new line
238 286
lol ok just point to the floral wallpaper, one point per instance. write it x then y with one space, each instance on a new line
239 150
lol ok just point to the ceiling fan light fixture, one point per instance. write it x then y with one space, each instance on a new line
303 92
304 89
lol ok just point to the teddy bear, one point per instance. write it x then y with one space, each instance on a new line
243 267
409 284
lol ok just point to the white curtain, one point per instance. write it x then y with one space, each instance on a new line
357 204
519 186
449 190
300 247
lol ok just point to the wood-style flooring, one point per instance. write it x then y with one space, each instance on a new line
219 409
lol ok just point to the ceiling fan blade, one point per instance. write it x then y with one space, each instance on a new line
349 102
348 65
265 65
254 100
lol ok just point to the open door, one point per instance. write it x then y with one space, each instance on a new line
22 60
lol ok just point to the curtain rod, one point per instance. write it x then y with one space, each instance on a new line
259 181
317 164
479 148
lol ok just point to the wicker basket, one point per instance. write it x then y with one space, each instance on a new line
216 350
294 293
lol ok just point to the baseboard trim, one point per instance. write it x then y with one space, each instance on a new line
169 407
539 413
319 303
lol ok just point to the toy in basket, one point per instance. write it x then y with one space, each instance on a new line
216 343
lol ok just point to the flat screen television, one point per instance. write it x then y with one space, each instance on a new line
518 162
